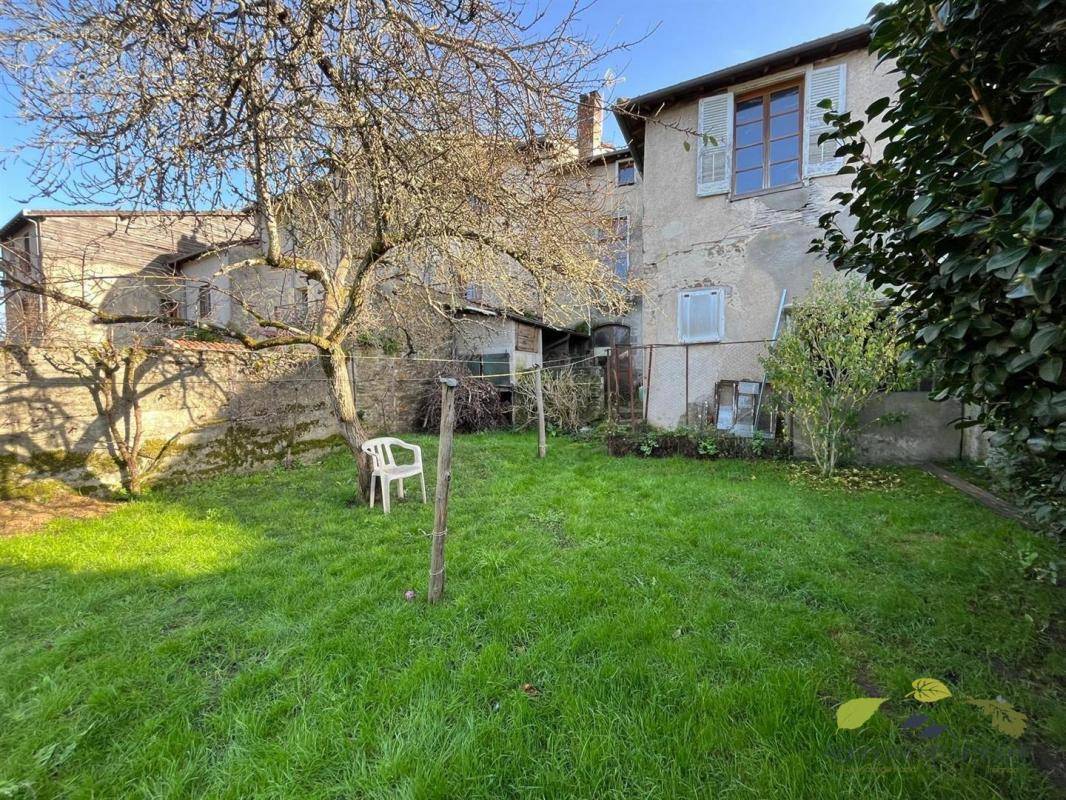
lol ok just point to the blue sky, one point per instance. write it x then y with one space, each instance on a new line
693 37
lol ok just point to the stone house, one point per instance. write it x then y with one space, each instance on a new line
720 185
713 200
119 260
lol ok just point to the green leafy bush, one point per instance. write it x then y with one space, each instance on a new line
962 217
650 442
840 348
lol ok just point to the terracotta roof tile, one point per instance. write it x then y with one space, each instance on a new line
195 345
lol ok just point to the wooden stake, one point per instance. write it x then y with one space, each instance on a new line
444 484
542 444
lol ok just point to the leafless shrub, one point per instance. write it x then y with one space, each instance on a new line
116 378
478 405
569 398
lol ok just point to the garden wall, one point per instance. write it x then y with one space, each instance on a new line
225 410
921 430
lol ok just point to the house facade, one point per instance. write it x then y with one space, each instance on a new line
711 203
730 183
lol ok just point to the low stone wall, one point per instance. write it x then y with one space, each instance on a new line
208 408
918 430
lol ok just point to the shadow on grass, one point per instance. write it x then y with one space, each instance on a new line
613 627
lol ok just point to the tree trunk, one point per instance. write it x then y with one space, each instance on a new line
342 399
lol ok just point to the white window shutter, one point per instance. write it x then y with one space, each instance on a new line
713 157
824 83
700 315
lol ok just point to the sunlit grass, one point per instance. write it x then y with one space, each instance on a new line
612 628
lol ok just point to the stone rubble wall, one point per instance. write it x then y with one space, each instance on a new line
214 410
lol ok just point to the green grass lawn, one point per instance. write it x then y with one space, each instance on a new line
613 628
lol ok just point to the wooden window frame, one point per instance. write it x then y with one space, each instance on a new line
204 302
618 172
765 92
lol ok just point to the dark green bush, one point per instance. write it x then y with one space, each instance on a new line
648 442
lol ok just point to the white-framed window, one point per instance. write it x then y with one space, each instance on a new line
700 315
627 172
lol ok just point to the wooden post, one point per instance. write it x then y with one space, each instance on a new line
607 379
647 382
687 423
444 484
542 444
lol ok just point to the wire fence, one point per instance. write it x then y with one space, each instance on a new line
711 385
46 407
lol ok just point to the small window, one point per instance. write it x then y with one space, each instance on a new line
700 316
203 300
301 298
525 337
766 150
627 172
168 308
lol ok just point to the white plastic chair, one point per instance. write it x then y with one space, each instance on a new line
387 470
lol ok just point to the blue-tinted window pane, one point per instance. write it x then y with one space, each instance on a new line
784 149
785 100
749 157
749 134
750 181
784 125
782 174
749 110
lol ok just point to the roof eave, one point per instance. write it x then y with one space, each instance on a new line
20 219
630 113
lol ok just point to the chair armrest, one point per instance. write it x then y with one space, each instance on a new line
414 448
418 452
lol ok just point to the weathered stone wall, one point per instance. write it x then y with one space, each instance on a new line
220 409
913 429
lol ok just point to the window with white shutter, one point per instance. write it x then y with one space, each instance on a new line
823 83
700 316
714 149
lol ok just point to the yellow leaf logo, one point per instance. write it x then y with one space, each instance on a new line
1003 716
854 713
929 690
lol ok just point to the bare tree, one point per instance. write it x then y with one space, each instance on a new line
115 377
394 152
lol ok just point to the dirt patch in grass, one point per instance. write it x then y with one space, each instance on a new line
28 516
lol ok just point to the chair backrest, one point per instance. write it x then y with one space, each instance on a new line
380 450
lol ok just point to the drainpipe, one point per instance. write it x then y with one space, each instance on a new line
40 268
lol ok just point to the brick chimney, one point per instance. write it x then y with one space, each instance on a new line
589 124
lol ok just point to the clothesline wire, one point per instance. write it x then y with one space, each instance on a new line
74 380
